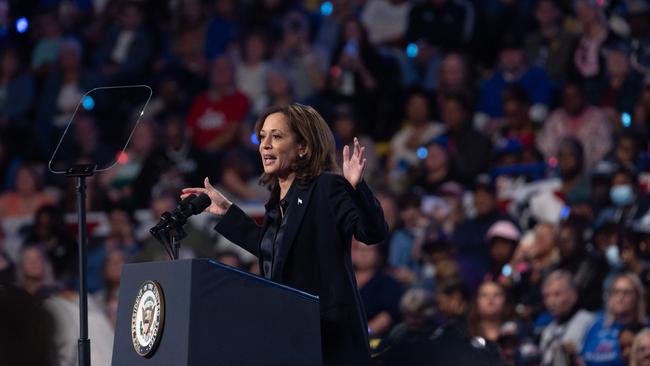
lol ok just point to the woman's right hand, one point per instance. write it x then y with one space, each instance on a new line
219 205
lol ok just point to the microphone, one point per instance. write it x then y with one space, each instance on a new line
189 206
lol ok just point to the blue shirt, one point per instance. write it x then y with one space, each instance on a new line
601 344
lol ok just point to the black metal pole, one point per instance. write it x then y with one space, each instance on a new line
84 343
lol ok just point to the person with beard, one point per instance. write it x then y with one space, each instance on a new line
587 124
561 338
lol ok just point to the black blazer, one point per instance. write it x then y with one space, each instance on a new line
314 256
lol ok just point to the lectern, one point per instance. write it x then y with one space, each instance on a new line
199 312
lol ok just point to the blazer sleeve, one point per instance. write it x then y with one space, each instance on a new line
357 211
240 229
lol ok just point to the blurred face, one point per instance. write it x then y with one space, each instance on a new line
33 264
453 114
617 63
364 257
160 205
622 298
512 59
222 73
514 114
143 139
567 161
277 84
573 100
344 128
546 13
643 351
559 298
131 18
566 242
484 202
25 181
452 71
417 109
352 31
114 265
625 340
502 250
255 48
175 133
436 158
586 13
278 146
69 58
626 150
191 10
119 220
490 300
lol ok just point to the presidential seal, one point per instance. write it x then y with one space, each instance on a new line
147 318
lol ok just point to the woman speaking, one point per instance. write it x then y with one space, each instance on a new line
304 240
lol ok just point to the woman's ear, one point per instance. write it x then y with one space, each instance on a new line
302 150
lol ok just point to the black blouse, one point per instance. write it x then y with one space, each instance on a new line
275 230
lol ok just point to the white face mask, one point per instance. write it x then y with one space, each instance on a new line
612 254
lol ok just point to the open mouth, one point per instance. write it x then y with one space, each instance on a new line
268 159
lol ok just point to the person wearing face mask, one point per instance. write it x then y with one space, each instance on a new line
627 202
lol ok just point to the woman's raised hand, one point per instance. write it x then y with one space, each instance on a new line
353 165
219 205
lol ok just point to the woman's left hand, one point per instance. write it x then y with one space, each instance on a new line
353 165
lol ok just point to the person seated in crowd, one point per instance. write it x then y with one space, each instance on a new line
174 159
513 68
303 63
626 340
640 353
628 201
107 297
61 93
216 115
588 269
417 309
380 292
417 132
625 306
49 231
502 238
469 237
26 195
561 339
17 95
126 49
551 46
576 119
34 272
470 151
490 310
252 69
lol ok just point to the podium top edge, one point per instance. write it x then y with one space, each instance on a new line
300 293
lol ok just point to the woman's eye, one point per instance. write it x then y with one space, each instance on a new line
277 136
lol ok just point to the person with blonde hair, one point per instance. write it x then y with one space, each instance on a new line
625 306
305 238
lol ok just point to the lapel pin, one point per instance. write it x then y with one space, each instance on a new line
299 201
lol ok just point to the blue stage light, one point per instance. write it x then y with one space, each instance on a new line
22 25
422 152
626 119
254 139
412 50
326 8
88 103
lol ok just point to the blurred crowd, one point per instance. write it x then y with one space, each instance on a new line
507 142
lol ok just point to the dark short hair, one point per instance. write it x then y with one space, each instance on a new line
312 130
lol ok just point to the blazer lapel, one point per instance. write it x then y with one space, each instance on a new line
295 213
